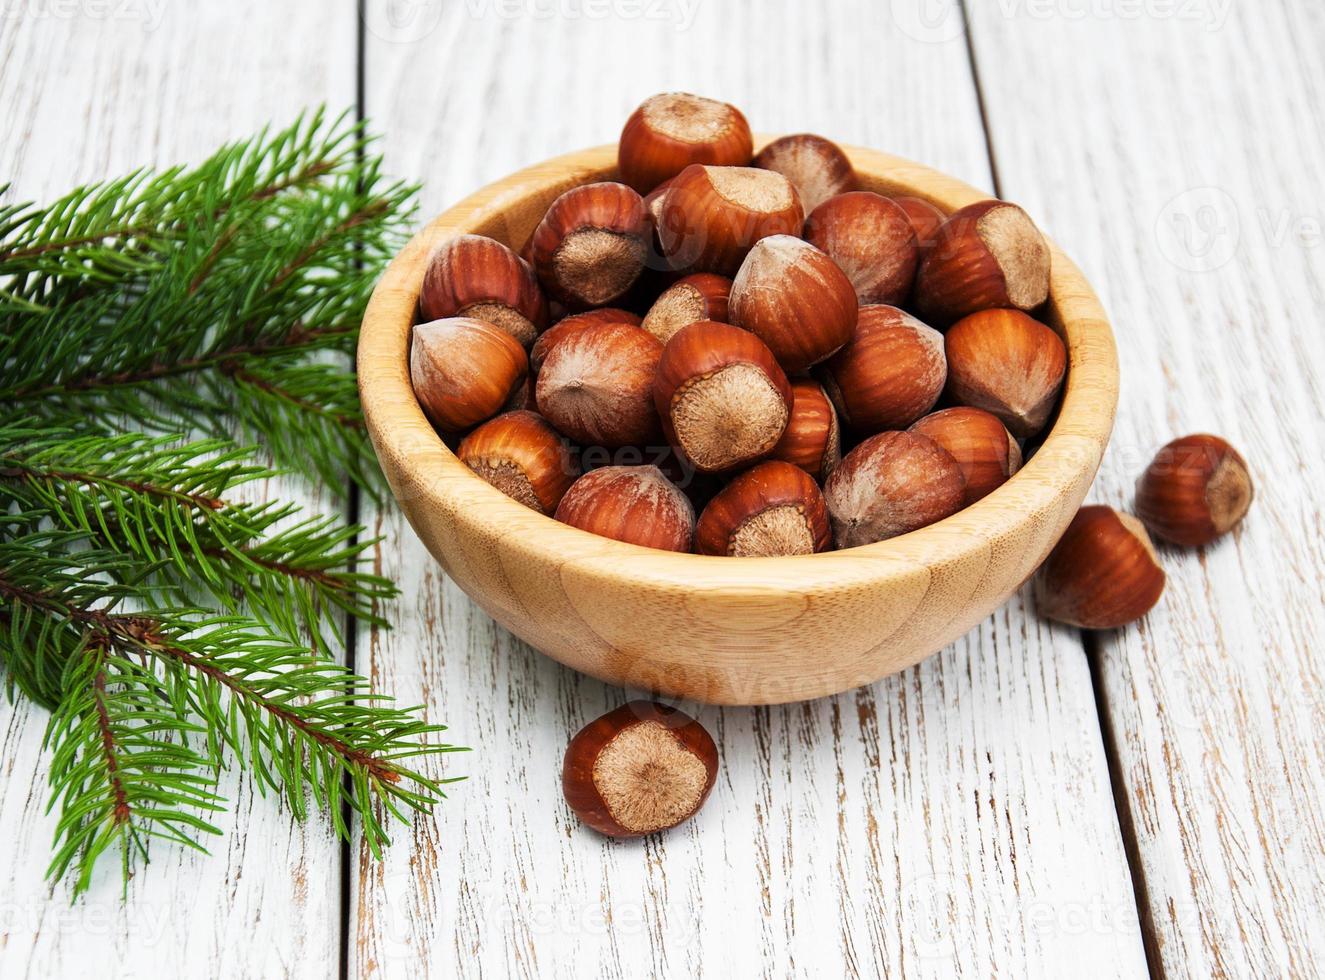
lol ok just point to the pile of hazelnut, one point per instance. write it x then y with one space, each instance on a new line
712 333
708 336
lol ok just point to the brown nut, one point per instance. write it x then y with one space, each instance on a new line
812 440
521 455
596 385
816 167
669 132
464 370
891 373
979 442
713 216
925 218
474 276
772 509
722 398
635 504
702 296
795 299
1006 363
564 327
1196 489
591 245
871 239
988 255
639 769
890 484
1102 574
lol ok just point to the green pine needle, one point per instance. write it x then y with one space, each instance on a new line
154 327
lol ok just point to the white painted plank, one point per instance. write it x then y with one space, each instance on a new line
92 91
954 820
1178 155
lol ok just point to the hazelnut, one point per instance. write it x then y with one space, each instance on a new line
523 395
669 132
639 769
987 255
591 245
795 299
1195 490
521 455
653 202
464 370
816 167
596 385
1102 574
635 504
890 484
871 239
925 218
812 440
550 337
979 442
1006 363
477 277
770 510
722 398
712 216
891 373
702 296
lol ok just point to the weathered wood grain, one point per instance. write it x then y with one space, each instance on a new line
1178 155
92 91
954 820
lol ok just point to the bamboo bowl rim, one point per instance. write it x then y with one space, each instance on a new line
420 466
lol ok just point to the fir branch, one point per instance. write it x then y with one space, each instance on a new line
203 291
153 325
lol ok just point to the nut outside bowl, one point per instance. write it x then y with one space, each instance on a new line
726 630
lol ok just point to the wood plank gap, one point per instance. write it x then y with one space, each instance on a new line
974 64
353 513
1126 823
1089 642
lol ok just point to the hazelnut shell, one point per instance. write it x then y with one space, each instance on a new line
890 484
671 131
871 240
772 509
642 768
890 374
1102 574
795 299
982 446
523 456
987 255
592 244
634 504
722 398
478 277
1196 489
1009 364
712 216
464 370
817 167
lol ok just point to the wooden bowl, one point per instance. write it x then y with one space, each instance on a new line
726 630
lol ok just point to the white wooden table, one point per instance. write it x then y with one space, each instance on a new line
1028 803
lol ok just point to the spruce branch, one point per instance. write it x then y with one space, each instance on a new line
154 327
